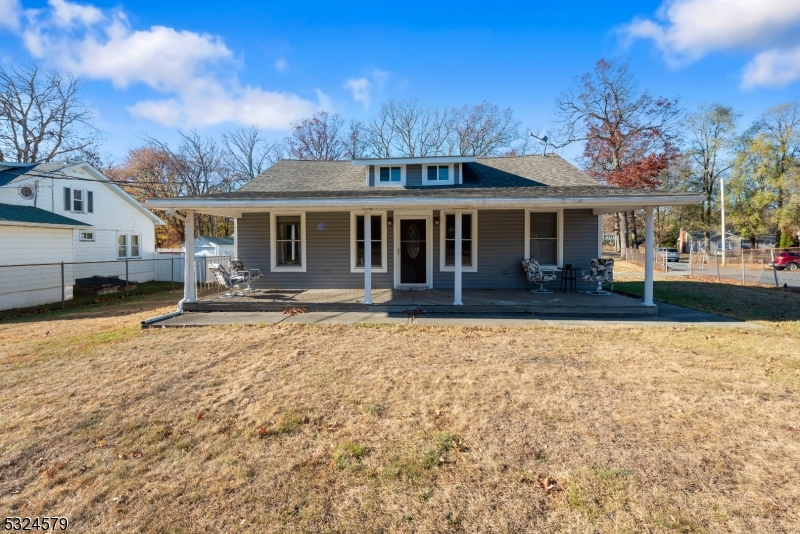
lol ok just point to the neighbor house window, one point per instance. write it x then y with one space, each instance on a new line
543 237
394 175
437 174
378 227
288 242
469 241
78 200
87 236
129 245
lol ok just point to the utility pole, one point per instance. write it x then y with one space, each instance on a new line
722 202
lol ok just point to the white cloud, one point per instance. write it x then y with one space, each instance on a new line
184 66
360 88
10 11
687 30
776 68
281 65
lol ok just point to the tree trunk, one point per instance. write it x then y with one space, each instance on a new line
633 228
617 240
707 240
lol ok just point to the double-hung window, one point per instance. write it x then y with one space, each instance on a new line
469 241
78 200
544 237
129 246
437 175
288 242
378 240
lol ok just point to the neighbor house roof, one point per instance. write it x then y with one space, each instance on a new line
217 240
13 172
30 216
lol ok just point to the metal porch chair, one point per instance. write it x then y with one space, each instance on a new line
237 267
537 275
601 271
227 280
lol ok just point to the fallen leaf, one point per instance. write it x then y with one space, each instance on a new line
546 483
53 470
262 431
100 444
123 456
137 454
201 415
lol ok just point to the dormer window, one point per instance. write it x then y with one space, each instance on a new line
390 175
437 175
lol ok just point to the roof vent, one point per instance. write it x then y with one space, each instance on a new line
75 159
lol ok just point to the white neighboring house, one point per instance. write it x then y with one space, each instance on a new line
212 246
115 226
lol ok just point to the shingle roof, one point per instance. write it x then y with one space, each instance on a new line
12 173
36 216
330 176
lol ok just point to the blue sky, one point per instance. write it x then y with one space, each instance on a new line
154 67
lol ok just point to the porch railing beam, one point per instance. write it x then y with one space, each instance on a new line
648 255
367 257
457 269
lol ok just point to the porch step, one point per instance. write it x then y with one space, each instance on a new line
344 307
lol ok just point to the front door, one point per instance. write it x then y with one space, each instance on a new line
413 251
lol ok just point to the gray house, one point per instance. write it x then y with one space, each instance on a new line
417 223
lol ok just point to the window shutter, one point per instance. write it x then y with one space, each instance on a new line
67 199
90 202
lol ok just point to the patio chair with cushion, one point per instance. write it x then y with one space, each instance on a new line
601 271
237 267
227 280
537 275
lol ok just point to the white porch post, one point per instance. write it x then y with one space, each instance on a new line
457 269
648 256
189 273
235 238
367 257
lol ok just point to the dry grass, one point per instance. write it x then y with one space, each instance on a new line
398 428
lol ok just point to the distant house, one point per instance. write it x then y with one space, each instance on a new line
213 246
68 212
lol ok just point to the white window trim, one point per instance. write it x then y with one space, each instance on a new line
130 245
81 232
127 244
442 231
378 183
450 173
273 232
559 235
353 249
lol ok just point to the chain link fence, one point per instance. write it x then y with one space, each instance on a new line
779 267
54 284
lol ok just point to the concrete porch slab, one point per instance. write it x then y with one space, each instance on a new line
434 301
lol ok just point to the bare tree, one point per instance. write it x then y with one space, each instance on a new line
197 166
356 142
485 129
248 154
42 117
380 133
322 137
418 130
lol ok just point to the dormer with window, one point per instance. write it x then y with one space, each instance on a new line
414 172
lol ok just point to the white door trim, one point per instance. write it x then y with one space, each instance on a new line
428 216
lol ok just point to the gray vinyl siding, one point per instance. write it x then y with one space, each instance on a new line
580 240
372 175
501 242
413 175
327 247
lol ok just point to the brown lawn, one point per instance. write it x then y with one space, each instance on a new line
397 428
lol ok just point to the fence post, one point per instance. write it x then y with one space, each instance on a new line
127 278
172 271
716 258
742 267
690 262
63 289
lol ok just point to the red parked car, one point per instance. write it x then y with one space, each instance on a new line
787 260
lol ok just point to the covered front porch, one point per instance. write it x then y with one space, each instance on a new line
429 301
